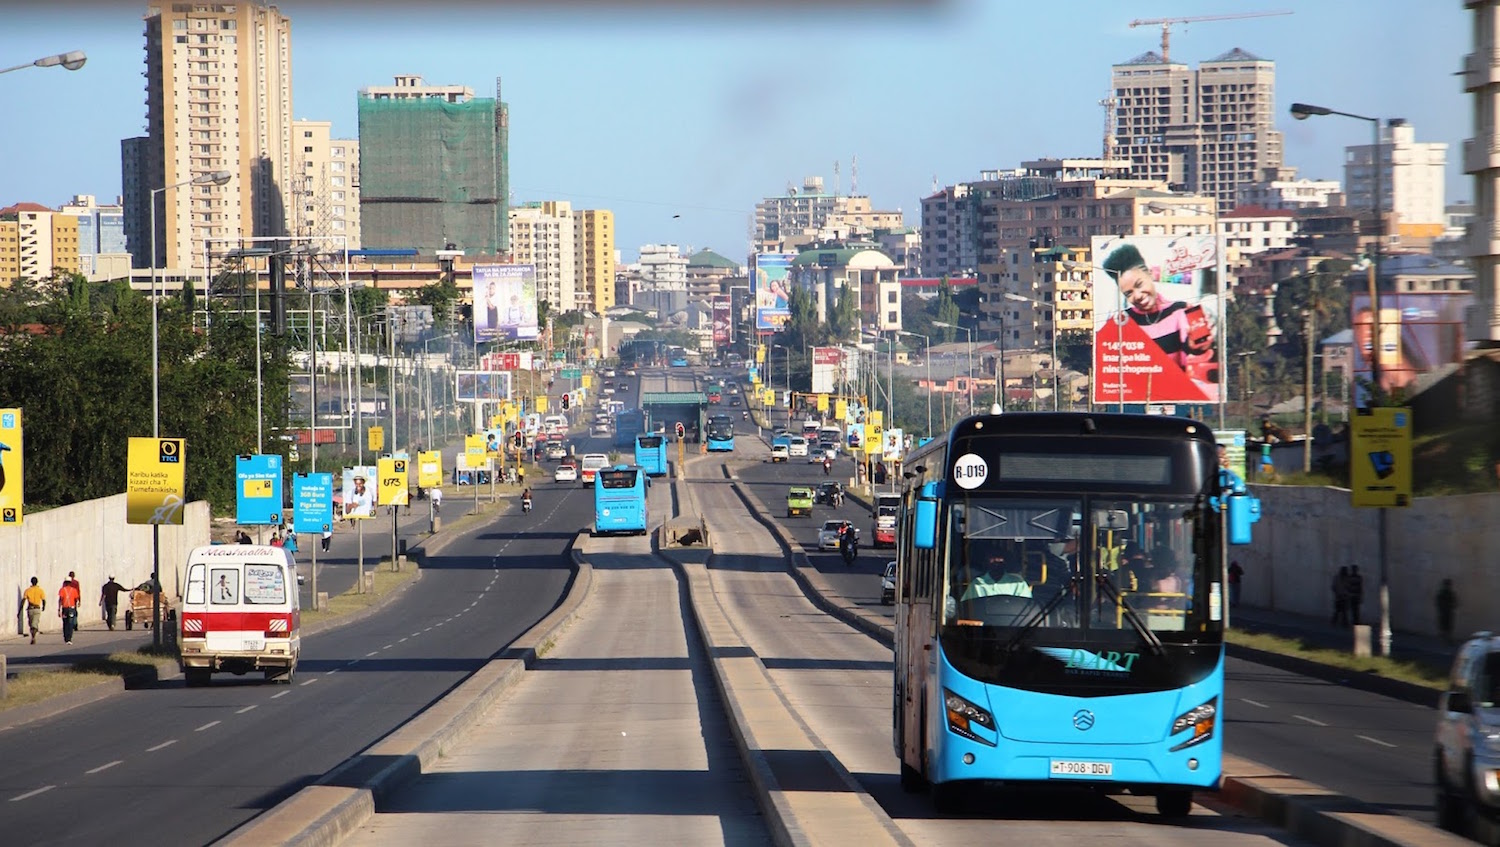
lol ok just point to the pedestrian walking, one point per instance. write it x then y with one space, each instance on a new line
277 540
1447 602
67 607
291 542
1236 574
1356 593
327 537
1340 598
109 601
36 603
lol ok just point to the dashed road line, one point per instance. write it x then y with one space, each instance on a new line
107 767
208 725
282 694
161 746
309 681
246 709
372 653
388 646
1375 741
1254 703
1313 721
32 793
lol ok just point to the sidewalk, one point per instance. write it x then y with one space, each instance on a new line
1318 632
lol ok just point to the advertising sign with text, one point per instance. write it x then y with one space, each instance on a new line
154 473
770 279
505 302
312 496
12 477
257 493
1420 332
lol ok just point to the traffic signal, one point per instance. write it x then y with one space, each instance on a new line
519 439
680 430
566 401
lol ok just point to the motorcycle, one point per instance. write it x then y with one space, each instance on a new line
525 505
849 547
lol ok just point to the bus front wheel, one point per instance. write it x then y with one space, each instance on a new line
1174 804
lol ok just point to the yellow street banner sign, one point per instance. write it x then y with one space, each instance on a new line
876 419
497 421
154 489
770 397
841 410
430 468
474 445
12 464
541 404
377 438
1380 457
760 355
588 381
873 435
822 402
393 483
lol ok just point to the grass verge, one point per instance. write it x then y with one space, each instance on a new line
386 581
35 686
1417 673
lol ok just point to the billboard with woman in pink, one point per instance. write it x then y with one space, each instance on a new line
1156 319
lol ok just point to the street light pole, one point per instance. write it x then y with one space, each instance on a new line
969 344
72 60
1053 307
927 357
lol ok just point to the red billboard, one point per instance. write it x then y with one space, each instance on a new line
723 320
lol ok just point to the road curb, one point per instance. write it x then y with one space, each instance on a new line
1374 683
330 810
1299 807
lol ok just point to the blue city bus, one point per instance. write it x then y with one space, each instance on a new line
628 424
677 357
651 453
1060 606
720 434
620 500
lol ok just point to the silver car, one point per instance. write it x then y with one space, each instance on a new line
888 585
1466 752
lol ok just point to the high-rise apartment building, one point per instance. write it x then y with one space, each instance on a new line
594 259
218 98
101 237
434 168
325 190
810 214
36 242
1481 78
1279 188
1206 130
950 231
543 234
1411 180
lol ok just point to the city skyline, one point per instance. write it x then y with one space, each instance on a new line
681 120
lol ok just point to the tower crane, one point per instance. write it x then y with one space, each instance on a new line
1166 24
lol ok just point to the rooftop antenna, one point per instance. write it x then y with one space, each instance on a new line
835 177
854 175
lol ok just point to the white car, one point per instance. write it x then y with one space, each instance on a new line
828 536
601 428
631 372
556 451
566 472
778 452
816 455
888 585
609 373
797 447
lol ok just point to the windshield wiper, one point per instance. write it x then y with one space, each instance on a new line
1041 615
1147 635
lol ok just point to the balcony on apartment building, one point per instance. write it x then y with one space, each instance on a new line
1481 154
1481 68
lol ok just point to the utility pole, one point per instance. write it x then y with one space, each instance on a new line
1309 322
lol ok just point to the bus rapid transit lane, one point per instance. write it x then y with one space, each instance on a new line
838 681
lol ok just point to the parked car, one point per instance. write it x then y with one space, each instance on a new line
888 585
139 610
1467 742
799 501
833 531
566 472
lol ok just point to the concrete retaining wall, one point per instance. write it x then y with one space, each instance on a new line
92 539
1306 534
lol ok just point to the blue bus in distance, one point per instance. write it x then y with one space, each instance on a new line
651 453
720 434
620 500
628 424
1061 606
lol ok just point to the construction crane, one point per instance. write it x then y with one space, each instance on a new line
1166 24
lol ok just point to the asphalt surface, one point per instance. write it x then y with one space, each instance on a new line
1364 745
168 764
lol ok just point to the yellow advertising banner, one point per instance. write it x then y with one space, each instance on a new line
760 355
393 483
873 435
497 421
541 404
1380 457
430 468
376 438
769 397
154 471
12 467
588 381
474 445
876 419
822 402
841 410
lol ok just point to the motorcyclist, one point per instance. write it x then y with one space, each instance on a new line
526 500
827 465
848 545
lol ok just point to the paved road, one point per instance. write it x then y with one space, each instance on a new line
838 681
175 765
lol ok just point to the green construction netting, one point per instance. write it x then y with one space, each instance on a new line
433 172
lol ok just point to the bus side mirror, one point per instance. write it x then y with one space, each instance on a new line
1244 512
924 533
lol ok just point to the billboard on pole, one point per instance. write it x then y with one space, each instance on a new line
1156 318
723 325
505 302
482 386
770 280
827 363
1419 333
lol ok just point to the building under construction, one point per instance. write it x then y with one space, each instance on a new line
434 168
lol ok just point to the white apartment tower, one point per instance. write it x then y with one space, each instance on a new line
1411 179
324 195
542 234
218 98
1206 130
1481 78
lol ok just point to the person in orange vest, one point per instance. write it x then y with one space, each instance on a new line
67 607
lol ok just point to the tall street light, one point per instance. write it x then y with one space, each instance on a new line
1053 308
1302 111
969 341
927 358
71 60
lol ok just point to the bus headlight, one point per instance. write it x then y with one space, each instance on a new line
962 713
1200 720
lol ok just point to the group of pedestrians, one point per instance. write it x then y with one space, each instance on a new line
69 597
1348 595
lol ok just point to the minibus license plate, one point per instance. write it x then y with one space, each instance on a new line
1064 768
260 644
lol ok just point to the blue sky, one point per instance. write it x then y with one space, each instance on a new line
663 108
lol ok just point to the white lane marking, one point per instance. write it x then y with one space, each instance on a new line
1312 721
32 793
388 646
208 725
1254 703
1375 741
282 694
246 709
160 746
372 653
107 767
401 641
309 682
